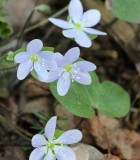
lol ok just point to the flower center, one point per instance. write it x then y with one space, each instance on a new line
78 26
51 145
68 67
34 58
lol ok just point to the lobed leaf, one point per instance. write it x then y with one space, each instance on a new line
128 10
108 97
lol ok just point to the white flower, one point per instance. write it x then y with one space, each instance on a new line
35 58
49 148
78 26
69 70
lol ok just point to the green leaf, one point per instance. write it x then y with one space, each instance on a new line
92 36
76 100
48 49
33 73
5 64
10 56
44 8
58 133
128 10
109 98
3 2
5 30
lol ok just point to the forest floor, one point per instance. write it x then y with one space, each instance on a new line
25 106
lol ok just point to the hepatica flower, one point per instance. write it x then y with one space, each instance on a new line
35 59
49 148
68 70
79 24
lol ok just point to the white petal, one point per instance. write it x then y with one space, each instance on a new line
70 33
83 78
54 75
85 66
91 18
24 69
64 153
21 57
60 23
37 154
75 9
59 59
82 39
48 60
50 128
47 55
51 65
72 55
94 31
38 140
41 71
49 156
70 137
34 46
63 84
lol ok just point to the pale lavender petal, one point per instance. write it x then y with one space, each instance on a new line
72 55
94 31
50 128
37 154
64 153
34 46
48 60
41 71
83 78
59 59
49 156
38 140
75 9
46 56
91 18
54 75
51 65
60 23
63 84
70 33
24 69
82 39
70 137
22 57
85 66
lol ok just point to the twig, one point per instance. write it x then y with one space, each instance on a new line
39 24
13 128
45 21
19 42
36 84
105 133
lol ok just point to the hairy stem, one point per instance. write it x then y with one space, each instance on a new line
105 133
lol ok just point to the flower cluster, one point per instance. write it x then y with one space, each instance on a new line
79 24
67 68
49 148
51 66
